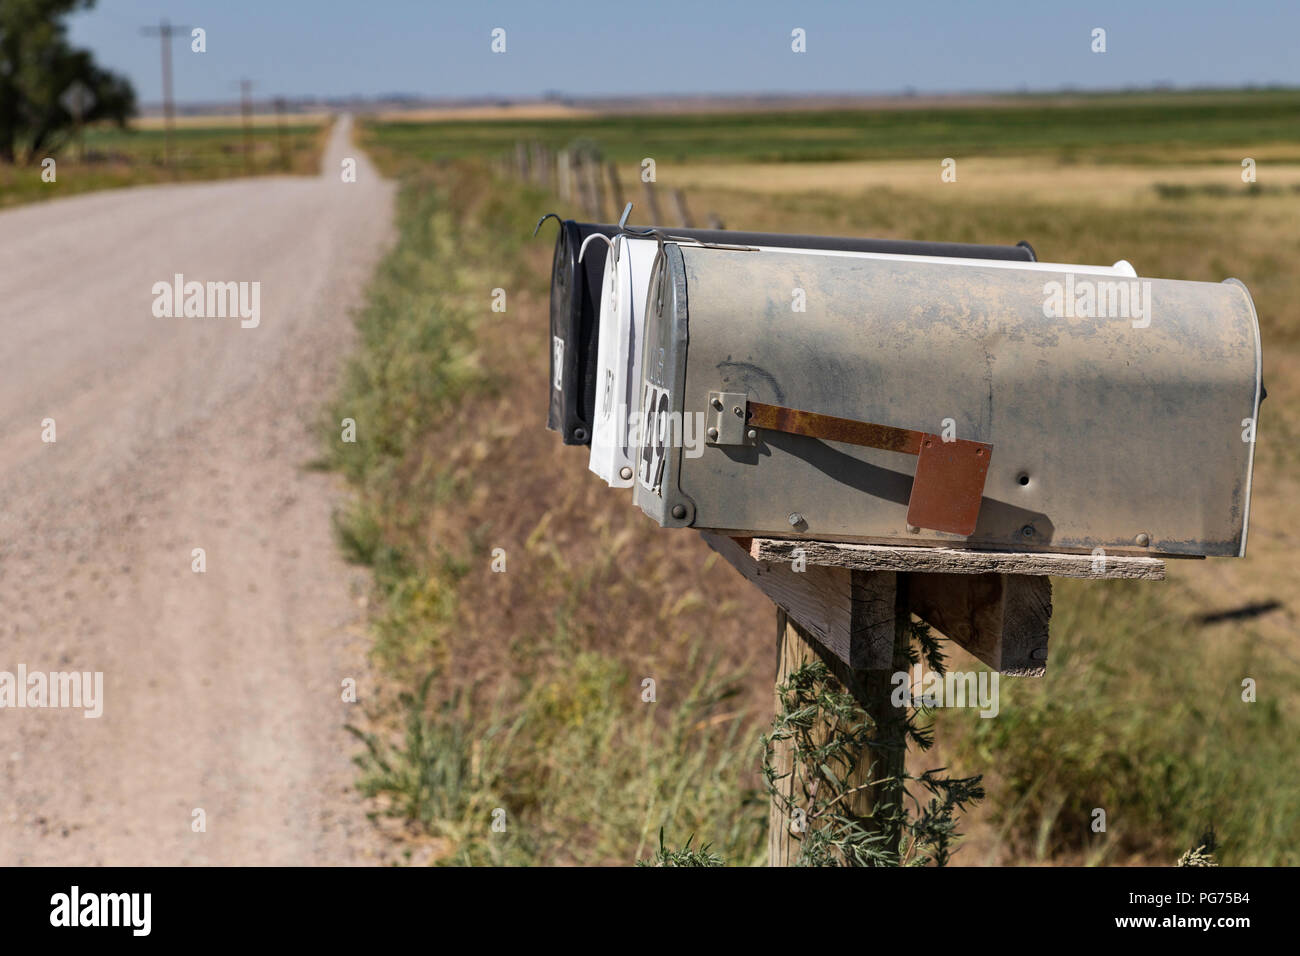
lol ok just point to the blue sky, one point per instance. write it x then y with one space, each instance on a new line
442 49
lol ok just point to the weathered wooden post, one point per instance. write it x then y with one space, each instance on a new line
615 187
683 214
535 171
595 174
793 651
548 155
586 193
871 687
652 203
564 174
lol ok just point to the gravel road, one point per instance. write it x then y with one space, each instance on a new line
221 689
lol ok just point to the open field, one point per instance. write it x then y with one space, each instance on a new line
135 156
535 706
504 111
1159 131
224 121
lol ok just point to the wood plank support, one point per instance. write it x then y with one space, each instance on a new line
878 557
850 614
1000 619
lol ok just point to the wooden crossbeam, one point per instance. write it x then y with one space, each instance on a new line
1000 618
876 557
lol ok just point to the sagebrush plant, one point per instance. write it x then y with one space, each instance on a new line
833 736
685 856
1203 854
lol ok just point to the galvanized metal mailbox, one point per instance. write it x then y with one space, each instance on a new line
575 300
924 402
628 264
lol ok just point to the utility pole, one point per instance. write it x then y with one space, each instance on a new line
282 133
164 31
246 113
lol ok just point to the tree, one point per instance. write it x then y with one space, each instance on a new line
37 66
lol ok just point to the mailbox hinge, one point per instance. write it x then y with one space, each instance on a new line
949 482
725 420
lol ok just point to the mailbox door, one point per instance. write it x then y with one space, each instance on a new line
662 386
627 277
575 291
1123 433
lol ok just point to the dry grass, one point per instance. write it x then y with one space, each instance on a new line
979 179
478 113
232 120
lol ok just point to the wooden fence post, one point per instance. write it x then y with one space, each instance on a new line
595 174
537 162
564 174
579 182
683 214
793 651
652 204
548 157
615 187
889 760
877 602
521 159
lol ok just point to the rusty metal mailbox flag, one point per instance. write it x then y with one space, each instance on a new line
924 402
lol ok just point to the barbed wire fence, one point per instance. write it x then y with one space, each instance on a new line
581 174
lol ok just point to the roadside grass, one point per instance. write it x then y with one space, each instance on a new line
1141 718
134 157
525 691
535 698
